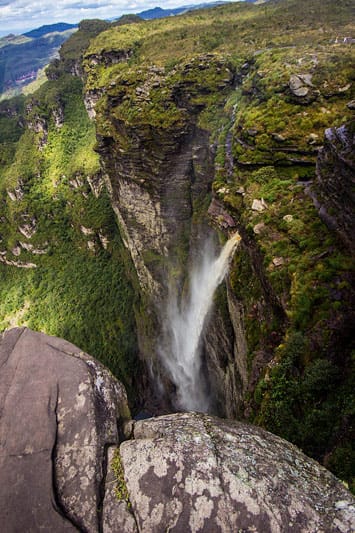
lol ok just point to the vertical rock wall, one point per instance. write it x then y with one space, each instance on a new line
159 176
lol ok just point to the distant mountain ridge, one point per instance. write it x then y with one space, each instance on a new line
158 12
21 57
50 28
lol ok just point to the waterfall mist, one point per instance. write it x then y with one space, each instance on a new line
184 323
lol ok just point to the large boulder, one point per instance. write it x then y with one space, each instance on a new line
192 472
62 417
59 410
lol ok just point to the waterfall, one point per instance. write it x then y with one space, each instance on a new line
184 325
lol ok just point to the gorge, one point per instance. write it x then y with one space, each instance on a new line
147 138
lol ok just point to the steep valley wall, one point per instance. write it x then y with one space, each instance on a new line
203 127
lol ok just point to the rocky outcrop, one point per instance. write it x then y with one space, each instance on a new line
17 264
63 416
158 161
333 191
302 88
190 472
226 351
220 215
60 410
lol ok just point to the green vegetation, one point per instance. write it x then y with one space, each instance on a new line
11 115
264 81
78 289
309 403
121 490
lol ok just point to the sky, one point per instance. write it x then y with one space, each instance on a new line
18 16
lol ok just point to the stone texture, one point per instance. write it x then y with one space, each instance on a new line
191 472
225 343
259 205
220 215
259 228
333 190
278 261
301 85
59 410
60 413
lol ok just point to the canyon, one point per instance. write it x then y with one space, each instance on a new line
149 139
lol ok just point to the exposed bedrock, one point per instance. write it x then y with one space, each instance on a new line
60 410
333 191
192 472
63 417
153 187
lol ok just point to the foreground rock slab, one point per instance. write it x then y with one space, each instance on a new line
59 410
191 472
64 468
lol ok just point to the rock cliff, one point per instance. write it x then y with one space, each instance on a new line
157 159
159 166
333 191
63 416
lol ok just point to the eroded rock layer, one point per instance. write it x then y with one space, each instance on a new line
333 191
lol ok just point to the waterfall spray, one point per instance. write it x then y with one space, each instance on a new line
185 323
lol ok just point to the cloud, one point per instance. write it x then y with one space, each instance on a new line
18 16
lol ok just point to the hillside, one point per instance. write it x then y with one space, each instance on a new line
59 27
208 122
158 12
21 57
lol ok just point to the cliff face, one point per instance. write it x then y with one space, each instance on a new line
157 159
159 166
333 190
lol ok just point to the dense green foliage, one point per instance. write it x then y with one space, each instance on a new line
78 289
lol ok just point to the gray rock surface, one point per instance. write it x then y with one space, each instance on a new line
61 413
59 410
300 84
195 473
333 190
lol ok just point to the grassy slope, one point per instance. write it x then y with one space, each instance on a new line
305 390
